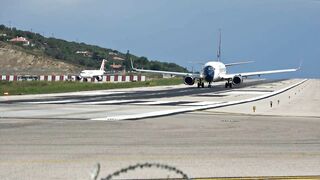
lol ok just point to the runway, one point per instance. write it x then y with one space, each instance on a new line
54 137
133 103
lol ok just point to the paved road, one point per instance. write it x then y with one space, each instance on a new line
204 143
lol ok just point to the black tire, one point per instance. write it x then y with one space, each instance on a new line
202 85
198 85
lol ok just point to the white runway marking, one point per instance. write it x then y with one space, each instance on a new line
203 103
243 92
154 102
107 102
100 93
54 102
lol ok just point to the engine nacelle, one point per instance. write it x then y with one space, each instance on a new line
237 79
98 78
189 80
78 78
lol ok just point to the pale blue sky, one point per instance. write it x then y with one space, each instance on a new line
274 33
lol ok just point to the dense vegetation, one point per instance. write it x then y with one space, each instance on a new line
41 87
66 51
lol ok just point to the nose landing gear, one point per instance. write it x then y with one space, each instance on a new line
228 84
200 84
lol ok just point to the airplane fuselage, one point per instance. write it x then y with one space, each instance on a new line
91 73
213 70
97 74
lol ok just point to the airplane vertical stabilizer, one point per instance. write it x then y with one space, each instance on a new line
219 48
102 65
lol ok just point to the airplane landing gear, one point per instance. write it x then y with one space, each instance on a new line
228 84
200 84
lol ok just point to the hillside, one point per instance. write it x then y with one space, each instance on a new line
24 51
14 60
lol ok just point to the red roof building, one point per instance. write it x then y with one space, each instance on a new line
118 58
115 66
20 40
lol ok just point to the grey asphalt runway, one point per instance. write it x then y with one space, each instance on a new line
59 141
138 94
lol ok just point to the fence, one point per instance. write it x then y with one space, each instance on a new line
105 78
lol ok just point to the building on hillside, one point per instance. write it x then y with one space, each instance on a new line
22 40
113 54
84 53
116 66
118 58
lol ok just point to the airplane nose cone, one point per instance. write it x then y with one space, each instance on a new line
208 73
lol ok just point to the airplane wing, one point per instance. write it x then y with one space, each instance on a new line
195 75
237 63
258 73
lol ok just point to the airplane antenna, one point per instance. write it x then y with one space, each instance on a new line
219 48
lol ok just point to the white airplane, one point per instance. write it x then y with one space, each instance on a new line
214 71
97 74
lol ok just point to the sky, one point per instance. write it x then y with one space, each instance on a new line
275 34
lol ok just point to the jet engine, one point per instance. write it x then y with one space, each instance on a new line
98 78
237 79
189 80
78 78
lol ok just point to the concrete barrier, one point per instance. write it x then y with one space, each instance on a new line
105 78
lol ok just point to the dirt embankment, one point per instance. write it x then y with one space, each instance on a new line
15 60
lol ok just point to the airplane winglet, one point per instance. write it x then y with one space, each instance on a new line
300 65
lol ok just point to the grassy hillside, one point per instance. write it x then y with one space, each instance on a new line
82 54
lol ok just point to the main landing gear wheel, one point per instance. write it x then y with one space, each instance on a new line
200 84
228 85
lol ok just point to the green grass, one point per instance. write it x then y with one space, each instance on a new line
42 87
